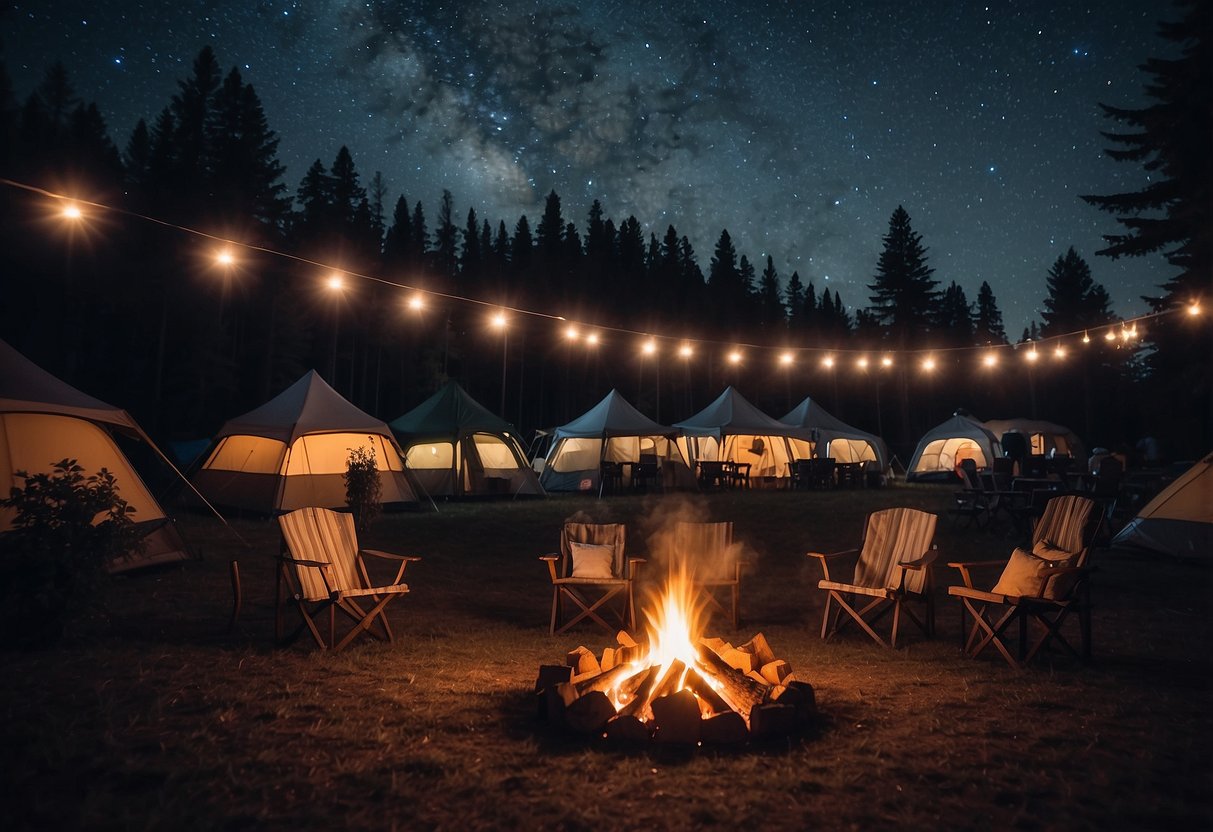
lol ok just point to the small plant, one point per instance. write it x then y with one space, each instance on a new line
362 486
67 527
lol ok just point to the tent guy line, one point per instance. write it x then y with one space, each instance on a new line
1127 327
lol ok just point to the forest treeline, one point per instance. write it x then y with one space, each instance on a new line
141 314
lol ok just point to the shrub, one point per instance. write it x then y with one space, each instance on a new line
67 527
362 486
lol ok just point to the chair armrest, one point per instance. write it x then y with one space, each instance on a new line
404 561
298 562
323 565
824 559
551 562
634 565
389 556
965 567
920 563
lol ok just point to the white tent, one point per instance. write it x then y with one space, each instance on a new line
610 431
454 446
1042 438
1179 520
943 447
829 436
44 420
293 451
732 429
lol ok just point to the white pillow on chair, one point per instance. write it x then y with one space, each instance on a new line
592 560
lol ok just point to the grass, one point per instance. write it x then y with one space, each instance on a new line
164 720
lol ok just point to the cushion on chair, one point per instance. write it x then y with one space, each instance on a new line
1060 585
1022 576
592 560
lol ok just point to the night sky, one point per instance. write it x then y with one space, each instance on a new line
798 126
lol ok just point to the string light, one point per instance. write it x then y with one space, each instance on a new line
1032 355
649 347
1059 352
226 256
990 359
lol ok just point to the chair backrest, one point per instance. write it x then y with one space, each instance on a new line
968 475
602 534
705 549
892 536
327 536
1066 523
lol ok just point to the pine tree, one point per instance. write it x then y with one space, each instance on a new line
246 176
987 322
522 246
793 299
315 198
550 230
903 292
191 109
770 299
446 238
420 235
1075 301
398 241
954 320
469 259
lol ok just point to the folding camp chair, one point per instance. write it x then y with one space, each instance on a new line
1039 589
705 552
323 570
591 571
892 568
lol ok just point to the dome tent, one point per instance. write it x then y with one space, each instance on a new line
293 452
1179 520
44 420
455 447
943 447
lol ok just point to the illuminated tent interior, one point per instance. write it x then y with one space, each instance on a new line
731 429
944 446
1179 520
611 431
829 436
293 451
44 420
1043 438
455 447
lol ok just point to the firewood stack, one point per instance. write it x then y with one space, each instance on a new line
729 696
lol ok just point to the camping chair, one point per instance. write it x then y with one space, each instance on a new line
892 568
705 552
1043 587
589 571
610 477
324 570
971 501
646 472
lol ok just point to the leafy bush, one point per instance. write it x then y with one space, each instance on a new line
362 486
67 527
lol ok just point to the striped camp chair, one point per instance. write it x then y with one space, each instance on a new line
892 568
322 569
1038 590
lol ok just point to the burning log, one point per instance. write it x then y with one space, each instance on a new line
589 714
677 718
583 661
642 693
706 693
655 684
738 690
603 681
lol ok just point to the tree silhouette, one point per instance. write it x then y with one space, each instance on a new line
1075 301
987 321
903 292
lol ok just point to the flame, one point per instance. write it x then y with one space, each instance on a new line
673 625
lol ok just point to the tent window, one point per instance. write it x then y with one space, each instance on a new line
577 455
250 454
328 453
430 455
493 452
946 454
852 450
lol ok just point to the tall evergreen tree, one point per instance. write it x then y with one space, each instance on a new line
987 321
772 314
903 292
1075 301
954 319
793 299
246 176
191 109
398 241
420 236
522 246
470 258
446 237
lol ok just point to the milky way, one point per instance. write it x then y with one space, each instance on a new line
798 126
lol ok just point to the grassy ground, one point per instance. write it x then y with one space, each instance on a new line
163 720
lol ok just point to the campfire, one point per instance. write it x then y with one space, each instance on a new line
678 687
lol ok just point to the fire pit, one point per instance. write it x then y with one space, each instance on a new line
677 688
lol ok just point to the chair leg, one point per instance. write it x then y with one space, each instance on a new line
555 610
